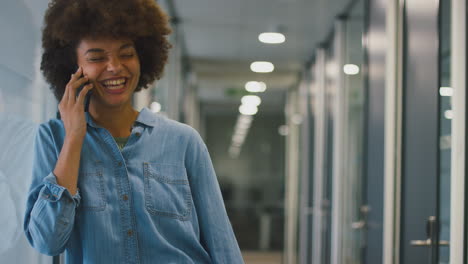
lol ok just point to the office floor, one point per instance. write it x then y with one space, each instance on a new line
262 257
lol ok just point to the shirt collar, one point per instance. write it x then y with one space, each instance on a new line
145 117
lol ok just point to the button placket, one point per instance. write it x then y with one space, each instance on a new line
124 189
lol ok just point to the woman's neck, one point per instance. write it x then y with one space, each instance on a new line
118 121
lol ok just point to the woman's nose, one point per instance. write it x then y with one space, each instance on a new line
114 65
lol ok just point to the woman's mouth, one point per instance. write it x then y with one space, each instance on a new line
114 86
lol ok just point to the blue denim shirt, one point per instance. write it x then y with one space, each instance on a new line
156 201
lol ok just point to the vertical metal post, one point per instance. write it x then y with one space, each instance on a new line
292 181
142 99
393 133
304 211
319 158
338 146
175 75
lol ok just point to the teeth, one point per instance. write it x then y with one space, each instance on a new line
114 82
115 87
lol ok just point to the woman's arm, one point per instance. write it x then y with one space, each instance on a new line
53 196
216 231
50 208
73 116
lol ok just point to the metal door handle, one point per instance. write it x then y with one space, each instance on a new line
428 243
358 225
421 243
444 243
362 223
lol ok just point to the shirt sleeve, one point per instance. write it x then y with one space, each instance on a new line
50 208
217 235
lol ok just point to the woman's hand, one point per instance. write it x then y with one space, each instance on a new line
71 107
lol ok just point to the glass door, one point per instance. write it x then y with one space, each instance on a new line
445 132
425 154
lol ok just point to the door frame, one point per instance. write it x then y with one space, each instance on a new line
319 159
458 160
338 158
393 132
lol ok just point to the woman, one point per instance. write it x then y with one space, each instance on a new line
112 185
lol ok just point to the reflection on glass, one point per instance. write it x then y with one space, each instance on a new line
256 212
355 211
330 91
445 130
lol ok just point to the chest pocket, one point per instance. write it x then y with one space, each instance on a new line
167 191
91 185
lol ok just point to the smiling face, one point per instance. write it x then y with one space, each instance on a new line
112 65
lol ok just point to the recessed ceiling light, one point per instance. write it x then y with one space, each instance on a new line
283 130
248 109
255 87
448 114
155 107
351 69
446 91
271 38
262 66
251 100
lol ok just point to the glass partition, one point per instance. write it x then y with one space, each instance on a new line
331 75
445 131
354 209
25 101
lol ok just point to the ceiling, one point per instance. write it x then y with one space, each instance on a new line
221 40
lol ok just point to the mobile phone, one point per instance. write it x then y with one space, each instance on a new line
88 96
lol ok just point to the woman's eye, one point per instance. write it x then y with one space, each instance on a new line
95 59
128 55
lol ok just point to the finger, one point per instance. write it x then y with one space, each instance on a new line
78 74
74 86
83 93
65 94
75 76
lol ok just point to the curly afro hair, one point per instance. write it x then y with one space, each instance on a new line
67 22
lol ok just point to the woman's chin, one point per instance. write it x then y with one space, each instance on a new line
114 102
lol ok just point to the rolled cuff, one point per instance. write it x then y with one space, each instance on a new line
54 191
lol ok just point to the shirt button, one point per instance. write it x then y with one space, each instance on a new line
130 232
120 163
125 197
138 134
